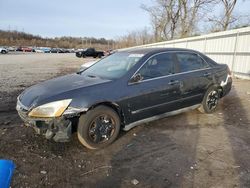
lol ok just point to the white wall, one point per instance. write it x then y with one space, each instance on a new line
229 47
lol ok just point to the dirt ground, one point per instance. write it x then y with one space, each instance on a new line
186 150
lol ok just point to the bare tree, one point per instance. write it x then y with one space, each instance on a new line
137 37
229 7
164 18
192 13
157 22
177 18
227 18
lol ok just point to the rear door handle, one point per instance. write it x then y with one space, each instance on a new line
173 82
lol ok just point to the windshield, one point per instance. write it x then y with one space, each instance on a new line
113 66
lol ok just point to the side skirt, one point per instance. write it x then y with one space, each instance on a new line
131 125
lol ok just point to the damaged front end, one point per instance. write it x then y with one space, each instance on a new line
57 128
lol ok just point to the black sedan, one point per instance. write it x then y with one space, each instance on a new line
121 91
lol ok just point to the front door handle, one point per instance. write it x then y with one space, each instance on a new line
206 74
173 82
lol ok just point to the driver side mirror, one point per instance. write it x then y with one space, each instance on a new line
136 78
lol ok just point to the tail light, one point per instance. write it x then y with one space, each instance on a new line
229 71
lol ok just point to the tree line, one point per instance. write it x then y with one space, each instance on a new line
16 38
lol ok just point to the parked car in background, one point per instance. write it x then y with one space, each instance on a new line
123 90
60 50
45 49
25 49
38 50
89 52
72 50
3 50
64 50
11 48
56 50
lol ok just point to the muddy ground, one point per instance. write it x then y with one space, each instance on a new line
186 150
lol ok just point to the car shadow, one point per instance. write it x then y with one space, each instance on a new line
236 123
186 150
153 155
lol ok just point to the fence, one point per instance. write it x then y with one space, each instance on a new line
228 47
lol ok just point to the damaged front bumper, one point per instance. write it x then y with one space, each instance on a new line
59 129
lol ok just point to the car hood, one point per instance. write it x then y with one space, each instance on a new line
37 94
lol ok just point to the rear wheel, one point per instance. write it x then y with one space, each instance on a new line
3 52
210 100
98 127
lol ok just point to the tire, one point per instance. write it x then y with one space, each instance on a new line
100 56
95 135
210 100
3 52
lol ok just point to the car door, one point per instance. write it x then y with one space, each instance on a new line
195 76
157 91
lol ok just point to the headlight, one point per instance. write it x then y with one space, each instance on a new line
53 109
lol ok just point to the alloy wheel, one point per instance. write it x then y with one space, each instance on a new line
212 100
101 128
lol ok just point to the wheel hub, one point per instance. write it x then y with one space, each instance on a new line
101 129
212 100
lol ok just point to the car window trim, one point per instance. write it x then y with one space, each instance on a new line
209 67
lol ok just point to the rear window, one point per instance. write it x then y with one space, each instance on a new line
190 62
209 60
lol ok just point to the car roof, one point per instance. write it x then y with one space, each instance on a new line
155 50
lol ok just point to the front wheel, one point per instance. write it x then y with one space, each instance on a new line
210 100
98 127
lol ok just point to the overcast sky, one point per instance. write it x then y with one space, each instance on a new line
97 18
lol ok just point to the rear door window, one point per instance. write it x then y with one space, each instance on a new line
158 66
190 62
